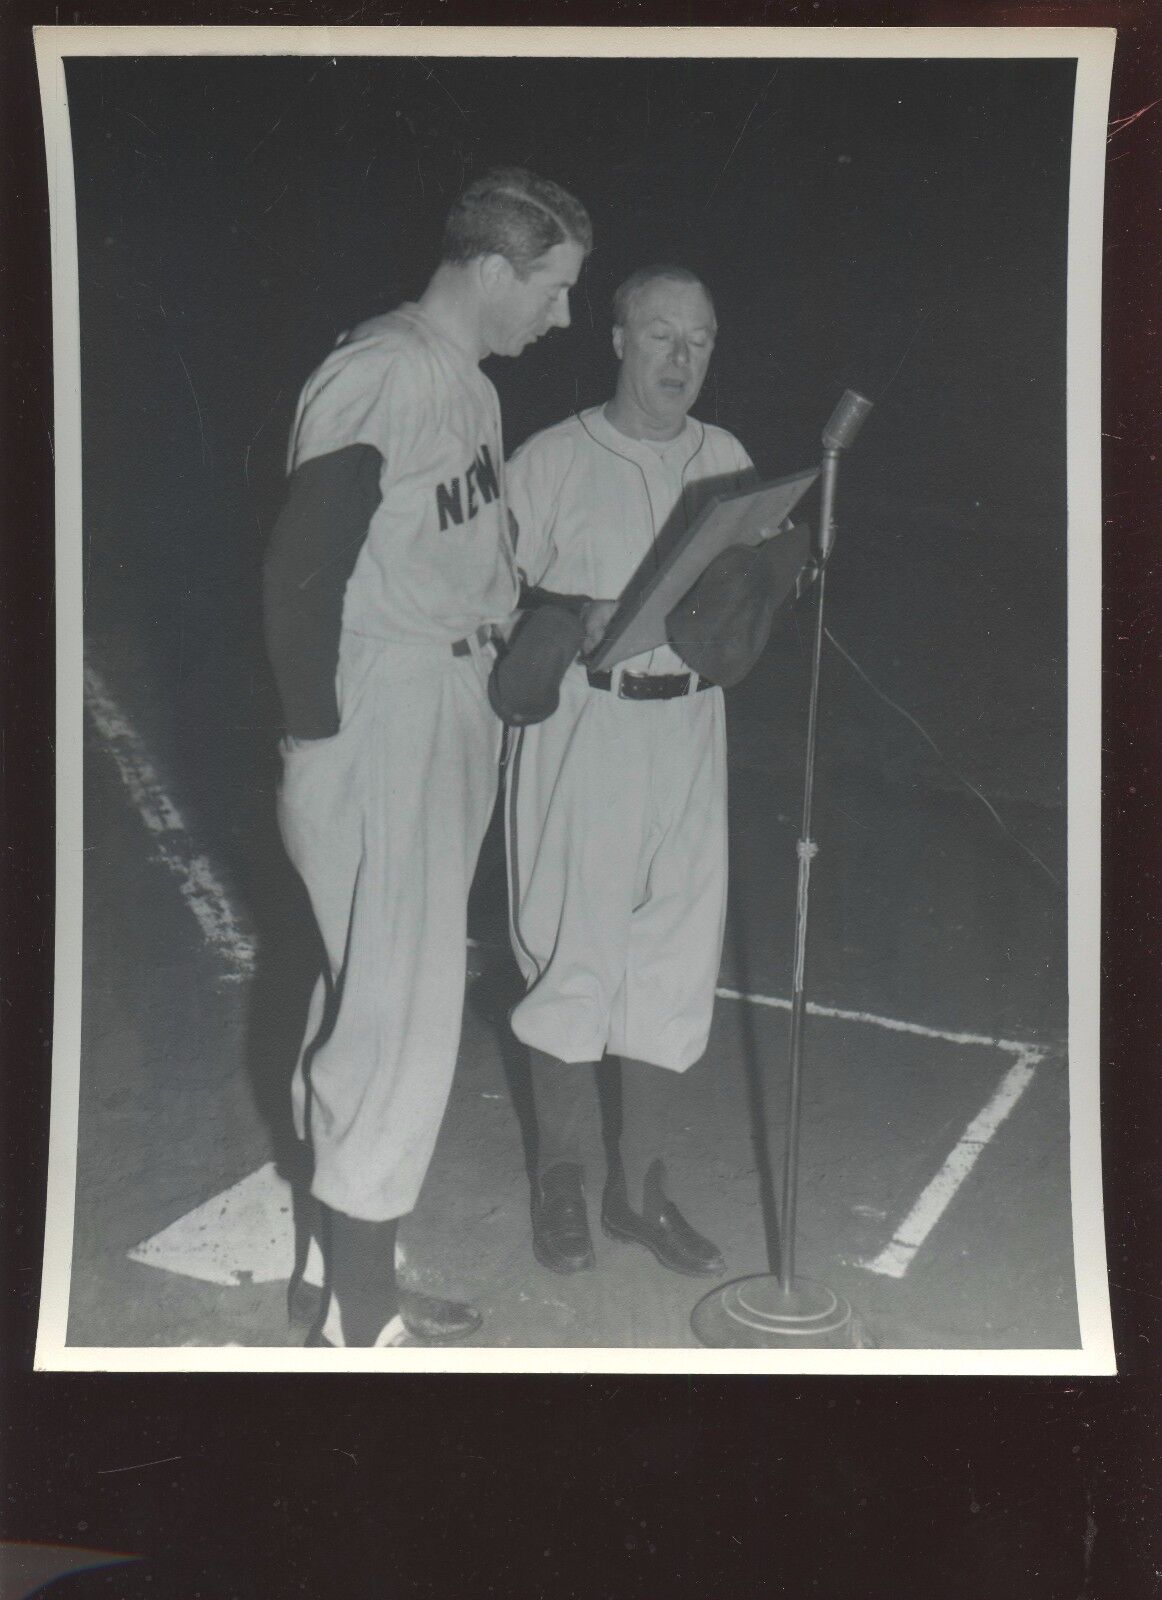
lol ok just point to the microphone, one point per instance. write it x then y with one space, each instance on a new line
842 426
846 420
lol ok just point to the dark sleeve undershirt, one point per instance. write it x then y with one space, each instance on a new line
313 550
530 599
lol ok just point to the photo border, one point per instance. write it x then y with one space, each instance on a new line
1093 49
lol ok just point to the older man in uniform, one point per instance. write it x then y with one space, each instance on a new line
616 804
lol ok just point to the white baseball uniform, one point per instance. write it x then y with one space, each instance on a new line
616 808
384 819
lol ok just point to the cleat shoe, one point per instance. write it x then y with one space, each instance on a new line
561 1238
393 1334
661 1228
434 1320
362 1304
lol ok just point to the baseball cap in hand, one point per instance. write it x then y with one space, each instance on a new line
525 682
721 626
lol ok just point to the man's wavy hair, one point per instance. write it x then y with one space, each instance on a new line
512 213
627 292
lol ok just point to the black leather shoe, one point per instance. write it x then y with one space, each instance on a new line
561 1239
435 1320
662 1229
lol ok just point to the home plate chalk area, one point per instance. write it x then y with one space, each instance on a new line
245 1234
925 1191
934 1177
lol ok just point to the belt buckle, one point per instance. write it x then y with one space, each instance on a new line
648 686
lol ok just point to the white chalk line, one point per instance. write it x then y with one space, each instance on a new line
173 845
894 1024
839 1014
897 1256
210 905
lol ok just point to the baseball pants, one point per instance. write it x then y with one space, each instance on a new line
617 839
384 824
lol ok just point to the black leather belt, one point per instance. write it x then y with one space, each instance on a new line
647 685
483 635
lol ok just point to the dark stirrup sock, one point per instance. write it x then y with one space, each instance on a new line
560 1090
641 1136
363 1275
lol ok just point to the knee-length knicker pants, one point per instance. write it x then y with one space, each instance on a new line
616 821
384 823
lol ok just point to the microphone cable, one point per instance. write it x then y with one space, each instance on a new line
959 776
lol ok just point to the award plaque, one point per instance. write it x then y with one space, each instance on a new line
748 517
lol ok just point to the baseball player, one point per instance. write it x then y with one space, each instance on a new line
616 804
389 568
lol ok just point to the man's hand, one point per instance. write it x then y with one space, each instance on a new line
595 618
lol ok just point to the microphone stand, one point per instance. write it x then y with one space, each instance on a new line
783 1311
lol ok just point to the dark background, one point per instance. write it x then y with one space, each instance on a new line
519 1486
236 214
896 226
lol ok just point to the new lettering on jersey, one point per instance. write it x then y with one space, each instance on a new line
451 506
437 561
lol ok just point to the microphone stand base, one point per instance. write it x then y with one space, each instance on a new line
755 1314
